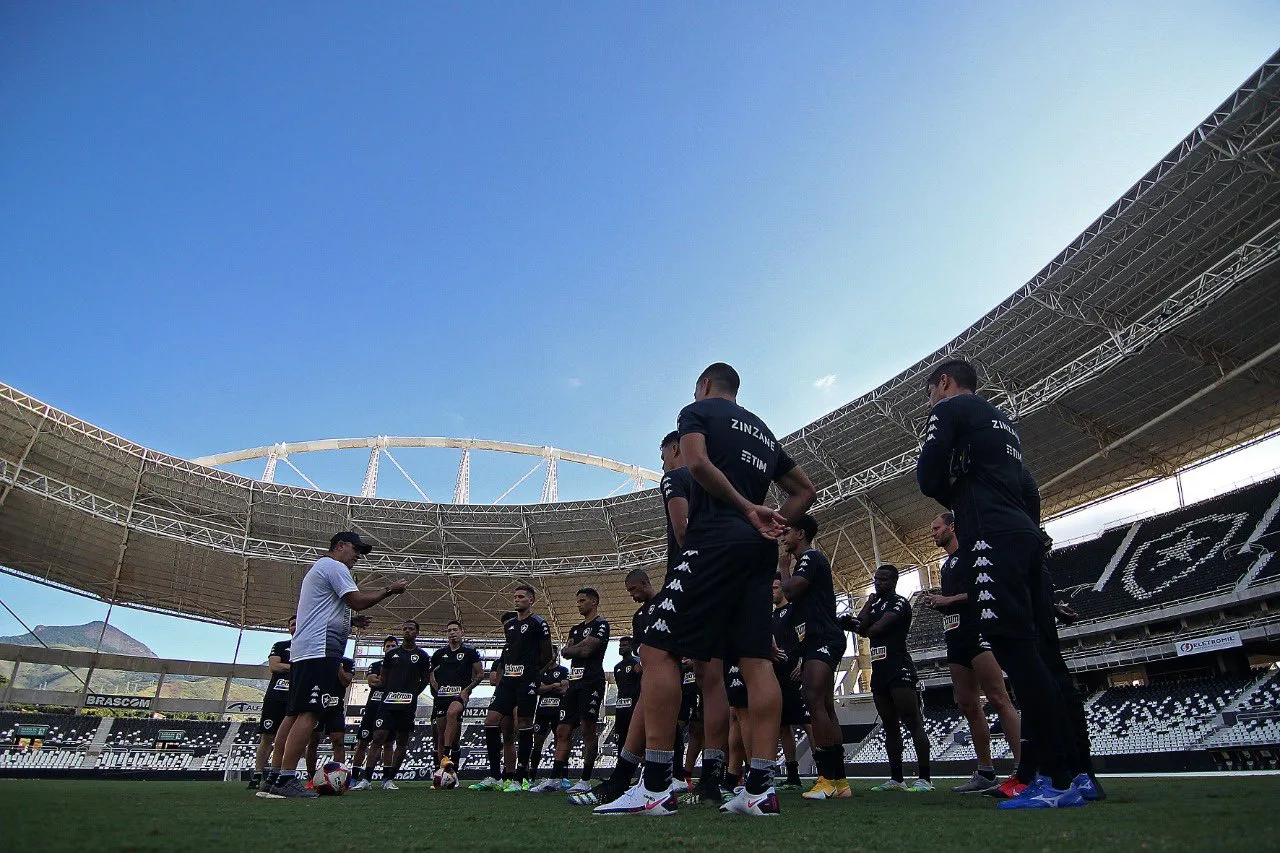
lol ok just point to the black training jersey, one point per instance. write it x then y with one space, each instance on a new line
555 675
955 580
746 451
814 613
891 647
522 655
783 635
375 693
589 669
453 669
640 623
278 687
404 674
971 463
675 484
627 678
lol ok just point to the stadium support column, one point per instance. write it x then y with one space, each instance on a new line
13 677
875 543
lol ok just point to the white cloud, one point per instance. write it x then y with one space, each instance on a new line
825 383
574 382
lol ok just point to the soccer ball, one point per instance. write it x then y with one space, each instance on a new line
444 779
331 779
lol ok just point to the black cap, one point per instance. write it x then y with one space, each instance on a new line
353 538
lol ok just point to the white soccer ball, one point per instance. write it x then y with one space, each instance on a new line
331 779
444 779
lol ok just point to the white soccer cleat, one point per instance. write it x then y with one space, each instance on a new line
362 785
390 786
546 786
755 805
580 787
679 786
920 786
639 801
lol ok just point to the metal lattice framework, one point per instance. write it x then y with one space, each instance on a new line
1151 341
380 446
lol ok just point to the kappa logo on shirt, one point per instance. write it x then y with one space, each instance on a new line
675 584
988 614
981 545
824 651
667 605
982 561
660 625
986 595
689 554
984 578
683 567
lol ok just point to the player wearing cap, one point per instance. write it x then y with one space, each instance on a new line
456 669
405 672
369 722
326 601
716 602
275 703
811 590
974 671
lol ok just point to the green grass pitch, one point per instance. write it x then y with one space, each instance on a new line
1218 815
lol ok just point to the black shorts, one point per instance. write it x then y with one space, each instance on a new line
547 719
622 722
518 695
396 718
690 706
1005 583
272 714
367 722
829 650
893 672
581 703
964 643
440 705
314 686
332 722
718 601
735 686
794 711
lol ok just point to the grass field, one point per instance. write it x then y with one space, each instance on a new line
1220 815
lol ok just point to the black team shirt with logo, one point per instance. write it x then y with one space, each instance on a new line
404 673
971 463
675 484
522 655
375 693
814 613
627 680
784 636
555 675
746 451
453 669
890 650
640 623
588 671
278 687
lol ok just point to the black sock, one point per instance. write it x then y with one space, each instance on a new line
624 770
589 767
987 773
256 778
712 768
524 746
559 769
835 762
732 780
759 776
657 769
793 771
493 745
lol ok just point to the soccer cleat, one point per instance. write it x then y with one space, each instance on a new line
254 783
526 785
589 798
1089 787
487 784
362 785
920 786
310 786
756 805
1045 797
976 784
825 789
546 786
511 786
639 801
290 788
891 785
1006 790
265 793
388 785
679 786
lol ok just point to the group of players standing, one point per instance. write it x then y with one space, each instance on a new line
752 627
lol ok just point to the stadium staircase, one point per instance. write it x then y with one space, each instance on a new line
90 758
1252 719
226 748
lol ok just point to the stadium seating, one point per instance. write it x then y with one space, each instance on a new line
1257 718
65 731
1160 717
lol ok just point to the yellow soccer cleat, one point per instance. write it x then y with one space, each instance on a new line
825 789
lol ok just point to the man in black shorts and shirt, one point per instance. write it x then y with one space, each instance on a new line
788 667
971 463
585 650
626 677
552 685
369 722
811 590
405 671
455 671
275 702
717 601
527 652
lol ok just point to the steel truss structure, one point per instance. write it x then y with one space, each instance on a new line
1151 341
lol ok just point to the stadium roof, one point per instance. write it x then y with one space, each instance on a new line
1151 341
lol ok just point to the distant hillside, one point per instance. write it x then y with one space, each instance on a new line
84 637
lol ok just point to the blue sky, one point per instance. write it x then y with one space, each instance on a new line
236 224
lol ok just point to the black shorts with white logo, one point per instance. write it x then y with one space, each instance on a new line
717 602
622 722
1004 572
690 706
449 695
515 695
735 686
396 717
314 686
828 649
794 711
893 672
332 721
964 643
368 722
581 702
272 713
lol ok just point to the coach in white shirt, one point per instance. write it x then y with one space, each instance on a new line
329 596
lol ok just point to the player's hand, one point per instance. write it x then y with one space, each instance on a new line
929 600
767 521
465 696
397 587
784 556
361 620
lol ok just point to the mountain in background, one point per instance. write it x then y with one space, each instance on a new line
83 637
